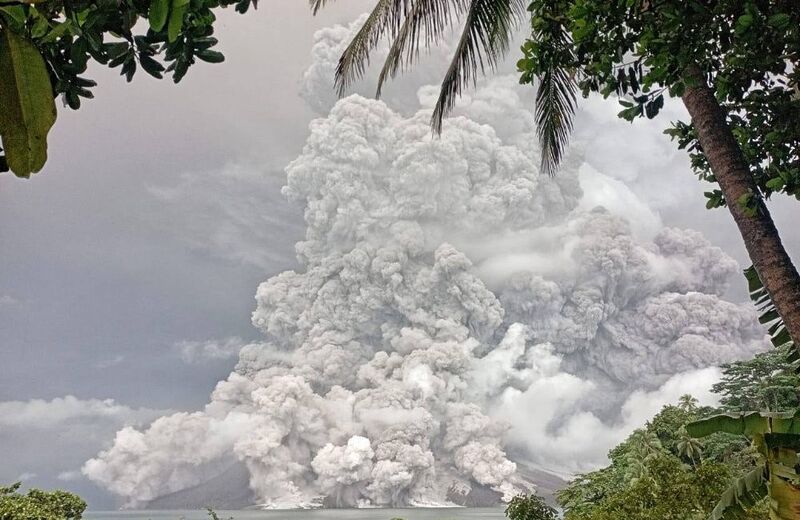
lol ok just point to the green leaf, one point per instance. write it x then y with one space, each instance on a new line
779 20
40 26
129 67
775 184
116 49
15 13
57 32
749 204
743 23
211 56
743 494
151 66
176 19
159 9
747 423
29 110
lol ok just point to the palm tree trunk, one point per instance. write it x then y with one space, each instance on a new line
771 261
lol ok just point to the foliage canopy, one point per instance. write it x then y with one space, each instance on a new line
39 505
660 471
529 507
46 47
641 50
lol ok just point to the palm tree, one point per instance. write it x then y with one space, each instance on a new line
636 470
486 31
488 26
689 447
643 447
645 444
687 403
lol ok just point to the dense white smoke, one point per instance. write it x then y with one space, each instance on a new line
454 307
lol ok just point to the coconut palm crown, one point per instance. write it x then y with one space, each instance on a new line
487 27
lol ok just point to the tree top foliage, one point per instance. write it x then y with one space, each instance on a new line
39 505
46 47
661 471
762 383
529 507
640 50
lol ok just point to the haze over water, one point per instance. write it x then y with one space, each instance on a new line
487 513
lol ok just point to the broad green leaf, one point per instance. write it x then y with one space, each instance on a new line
780 20
742 494
14 13
743 23
748 423
29 110
786 424
211 56
40 26
176 19
775 184
159 10
57 32
784 495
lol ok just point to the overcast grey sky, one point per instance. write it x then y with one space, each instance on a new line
100 267
130 263
103 274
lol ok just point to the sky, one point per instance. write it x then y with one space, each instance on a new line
130 263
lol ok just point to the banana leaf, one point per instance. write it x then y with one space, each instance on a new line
743 494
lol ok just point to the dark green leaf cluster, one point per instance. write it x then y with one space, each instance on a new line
640 50
39 505
671 491
762 383
659 471
530 507
212 515
72 33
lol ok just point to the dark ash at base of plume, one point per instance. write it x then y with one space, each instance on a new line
230 490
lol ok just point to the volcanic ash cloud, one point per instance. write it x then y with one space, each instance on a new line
445 284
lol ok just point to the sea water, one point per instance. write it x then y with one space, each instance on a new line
462 513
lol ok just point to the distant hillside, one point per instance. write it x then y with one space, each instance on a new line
231 490
546 483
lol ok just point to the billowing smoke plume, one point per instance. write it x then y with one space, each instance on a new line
455 311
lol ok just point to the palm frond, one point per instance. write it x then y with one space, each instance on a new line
428 17
316 5
555 108
488 27
768 315
556 97
384 18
